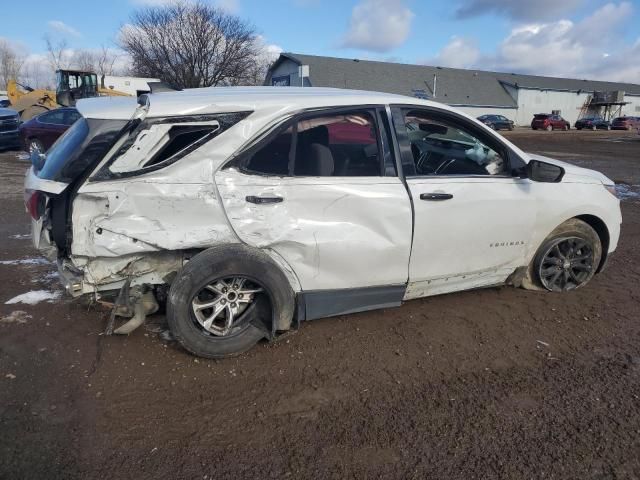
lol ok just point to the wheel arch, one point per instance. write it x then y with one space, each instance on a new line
603 233
283 319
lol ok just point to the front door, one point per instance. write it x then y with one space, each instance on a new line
321 192
473 218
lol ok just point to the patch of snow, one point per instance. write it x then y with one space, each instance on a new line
26 261
33 297
21 236
47 278
23 156
628 192
17 316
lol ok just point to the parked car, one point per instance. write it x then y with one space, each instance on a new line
496 122
593 123
39 133
625 123
546 121
252 209
9 123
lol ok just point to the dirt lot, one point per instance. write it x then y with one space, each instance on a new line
497 383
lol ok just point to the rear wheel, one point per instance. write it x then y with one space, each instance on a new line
569 257
225 299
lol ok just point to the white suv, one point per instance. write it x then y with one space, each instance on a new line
249 210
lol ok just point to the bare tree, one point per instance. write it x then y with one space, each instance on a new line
99 61
57 52
84 60
191 45
11 61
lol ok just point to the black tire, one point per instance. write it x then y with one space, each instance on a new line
578 128
533 128
564 235
276 304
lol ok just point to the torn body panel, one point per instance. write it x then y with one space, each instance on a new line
332 230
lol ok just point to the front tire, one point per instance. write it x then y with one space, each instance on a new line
34 145
225 299
568 258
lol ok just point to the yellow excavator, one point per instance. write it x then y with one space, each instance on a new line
71 85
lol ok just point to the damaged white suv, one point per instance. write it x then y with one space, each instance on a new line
248 210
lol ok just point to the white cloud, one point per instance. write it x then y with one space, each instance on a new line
522 10
458 53
560 48
63 28
378 25
229 6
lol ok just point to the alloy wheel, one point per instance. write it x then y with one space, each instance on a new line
219 306
567 264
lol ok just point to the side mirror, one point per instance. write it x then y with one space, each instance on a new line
544 172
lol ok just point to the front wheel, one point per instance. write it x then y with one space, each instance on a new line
35 146
569 257
225 299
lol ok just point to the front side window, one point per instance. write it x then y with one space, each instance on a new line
443 147
341 145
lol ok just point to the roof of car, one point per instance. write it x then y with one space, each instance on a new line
228 99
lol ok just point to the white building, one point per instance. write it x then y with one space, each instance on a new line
132 85
477 92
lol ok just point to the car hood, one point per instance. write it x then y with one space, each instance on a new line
4 112
574 174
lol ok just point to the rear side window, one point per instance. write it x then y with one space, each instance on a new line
340 145
540 117
158 142
56 117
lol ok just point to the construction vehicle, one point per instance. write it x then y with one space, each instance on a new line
71 85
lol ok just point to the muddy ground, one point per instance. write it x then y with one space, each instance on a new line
496 383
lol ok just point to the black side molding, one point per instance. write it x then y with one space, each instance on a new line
328 303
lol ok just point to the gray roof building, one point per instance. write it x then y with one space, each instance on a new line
454 86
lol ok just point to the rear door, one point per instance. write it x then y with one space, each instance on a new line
473 217
322 193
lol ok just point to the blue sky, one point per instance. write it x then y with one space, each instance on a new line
580 38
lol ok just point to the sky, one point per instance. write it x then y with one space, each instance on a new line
568 38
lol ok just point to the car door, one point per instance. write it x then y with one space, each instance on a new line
321 193
51 126
473 217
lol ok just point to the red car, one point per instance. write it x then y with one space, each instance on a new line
625 123
42 131
547 121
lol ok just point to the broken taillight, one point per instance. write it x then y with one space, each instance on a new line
34 202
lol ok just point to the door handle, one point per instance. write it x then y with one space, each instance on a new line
261 200
436 196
